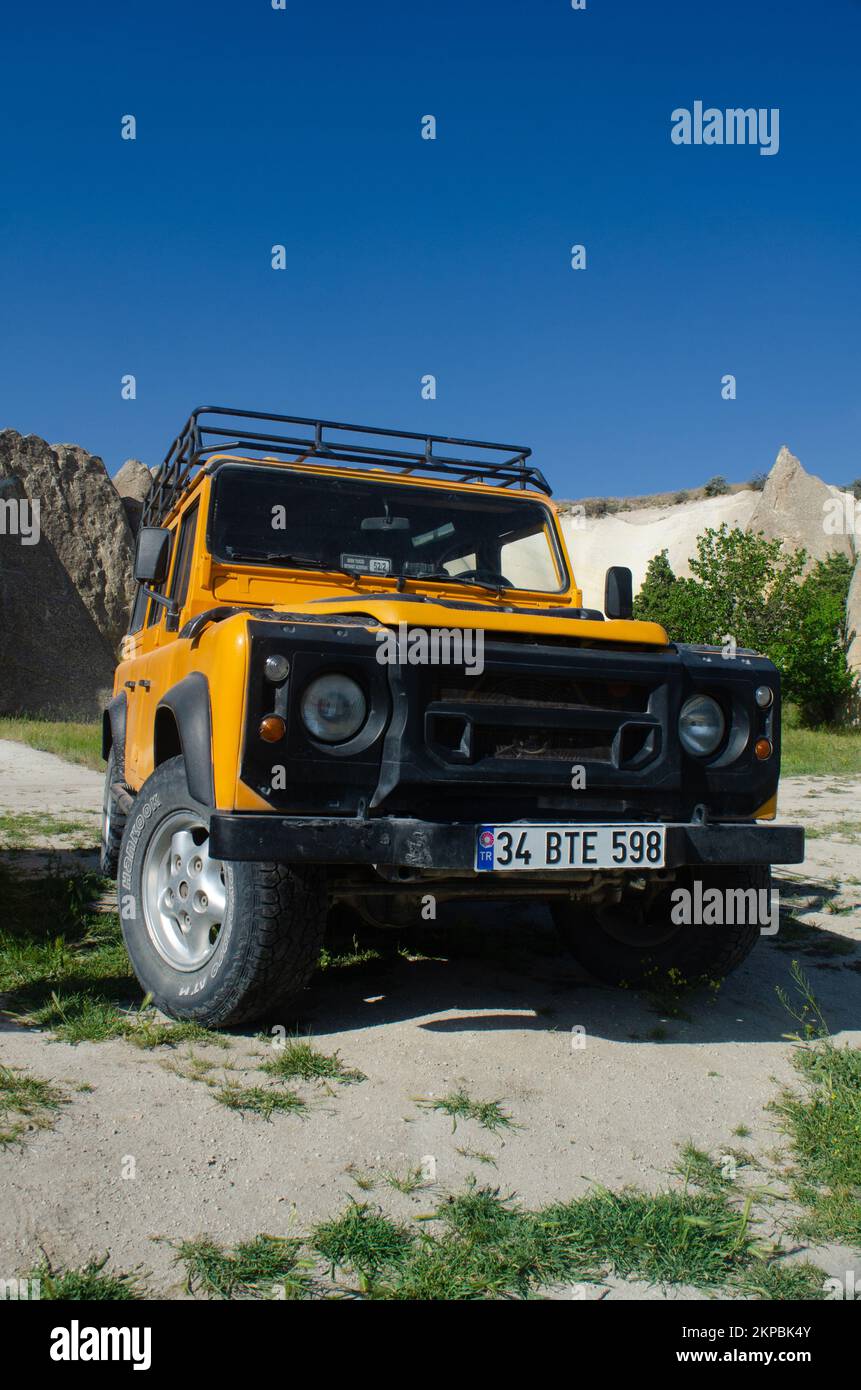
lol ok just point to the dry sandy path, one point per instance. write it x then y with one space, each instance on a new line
34 781
500 1022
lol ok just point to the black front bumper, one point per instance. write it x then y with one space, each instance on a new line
425 845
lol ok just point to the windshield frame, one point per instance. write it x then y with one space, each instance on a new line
389 581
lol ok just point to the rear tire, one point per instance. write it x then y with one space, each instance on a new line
218 942
113 822
627 944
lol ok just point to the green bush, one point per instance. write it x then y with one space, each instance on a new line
747 587
716 486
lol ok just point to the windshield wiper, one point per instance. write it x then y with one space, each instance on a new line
304 562
498 589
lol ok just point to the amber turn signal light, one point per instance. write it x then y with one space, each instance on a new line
272 728
763 749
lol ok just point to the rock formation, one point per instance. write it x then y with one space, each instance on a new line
54 661
132 484
793 507
83 518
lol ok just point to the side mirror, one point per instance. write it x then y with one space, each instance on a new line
152 552
619 592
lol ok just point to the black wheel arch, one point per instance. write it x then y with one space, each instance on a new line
114 719
183 726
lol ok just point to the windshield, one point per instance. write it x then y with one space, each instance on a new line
381 528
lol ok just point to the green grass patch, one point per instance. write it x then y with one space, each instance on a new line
63 966
297 1059
265 1267
87 1016
479 1155
412 1180
24 828
828 1215
363 1241
811 752
192 1068
699 1169
487 1246
823 1122
51 937
364 1181
89 1283
26 1103
148 1032
667 1238
82 1016
76 742
460 1106
782 1279
479 1244
261 1100
846 829
357 959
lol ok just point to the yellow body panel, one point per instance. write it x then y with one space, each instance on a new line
220 653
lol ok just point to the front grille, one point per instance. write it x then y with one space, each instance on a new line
500 741
543 716
542 730
539 690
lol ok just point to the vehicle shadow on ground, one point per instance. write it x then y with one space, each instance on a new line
515 976
31 862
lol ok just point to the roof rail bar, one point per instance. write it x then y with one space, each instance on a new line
500 465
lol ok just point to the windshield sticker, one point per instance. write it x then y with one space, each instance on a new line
367 564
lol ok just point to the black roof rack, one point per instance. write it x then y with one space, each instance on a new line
501 465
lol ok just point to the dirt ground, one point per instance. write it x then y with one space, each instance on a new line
611 1111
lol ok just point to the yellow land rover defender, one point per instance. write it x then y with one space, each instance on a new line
359 671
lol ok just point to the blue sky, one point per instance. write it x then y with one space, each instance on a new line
450 257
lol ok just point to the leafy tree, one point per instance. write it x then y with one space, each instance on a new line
716 486
813 658
746 586
677 604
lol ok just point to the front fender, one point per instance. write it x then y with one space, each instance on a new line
189 703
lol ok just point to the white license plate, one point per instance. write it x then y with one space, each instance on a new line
507 847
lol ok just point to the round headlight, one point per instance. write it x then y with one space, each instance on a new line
701 725
764 696
333 708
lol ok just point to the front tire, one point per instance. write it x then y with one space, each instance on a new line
217 942
632 943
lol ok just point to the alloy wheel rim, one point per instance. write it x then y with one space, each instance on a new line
184 892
